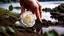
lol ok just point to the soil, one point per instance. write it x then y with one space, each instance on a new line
6 20
26 34
20 31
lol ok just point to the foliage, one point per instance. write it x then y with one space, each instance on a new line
2 11
6 12
51 33
62 35
7 29
10 8
10 30
45 34
2 29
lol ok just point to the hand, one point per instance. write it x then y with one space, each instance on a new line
33 6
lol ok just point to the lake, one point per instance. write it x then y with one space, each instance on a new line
45 15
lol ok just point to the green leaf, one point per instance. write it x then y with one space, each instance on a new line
62 35
45 34
52 33
10 30
2 29
10 8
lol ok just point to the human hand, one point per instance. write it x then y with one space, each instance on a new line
33 6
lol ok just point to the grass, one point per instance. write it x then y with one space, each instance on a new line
7 12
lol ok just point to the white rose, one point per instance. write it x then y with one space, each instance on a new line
27 19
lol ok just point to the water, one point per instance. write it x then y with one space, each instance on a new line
59 30
45 15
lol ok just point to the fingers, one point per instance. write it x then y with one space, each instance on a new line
38 15
40 9
34 7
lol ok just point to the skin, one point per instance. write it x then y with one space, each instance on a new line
33 6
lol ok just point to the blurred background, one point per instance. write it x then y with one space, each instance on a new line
48 6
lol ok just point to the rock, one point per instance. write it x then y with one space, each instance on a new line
54 13
46 9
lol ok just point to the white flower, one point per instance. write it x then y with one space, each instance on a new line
27 19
